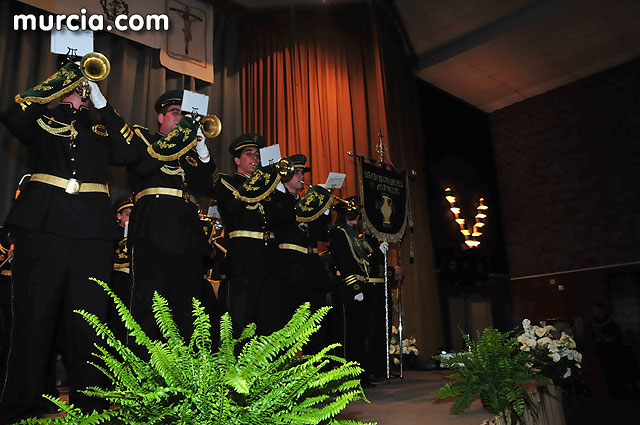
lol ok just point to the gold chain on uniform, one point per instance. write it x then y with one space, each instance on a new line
173 171
58 131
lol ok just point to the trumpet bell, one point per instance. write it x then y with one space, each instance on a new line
95 66
211 126
352 206
285 168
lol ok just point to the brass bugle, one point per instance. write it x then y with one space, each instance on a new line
211 126
285 168
352 205
95 66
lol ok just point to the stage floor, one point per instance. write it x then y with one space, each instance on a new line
409 401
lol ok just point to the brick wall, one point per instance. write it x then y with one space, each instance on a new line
568 166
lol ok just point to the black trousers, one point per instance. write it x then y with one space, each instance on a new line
355 329
252 292
49 281
376 338
306 280
176 277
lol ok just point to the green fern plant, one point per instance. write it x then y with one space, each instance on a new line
192 382
494 369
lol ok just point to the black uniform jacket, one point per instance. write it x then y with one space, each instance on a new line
240 215
169 223
49 209
289 230
354 255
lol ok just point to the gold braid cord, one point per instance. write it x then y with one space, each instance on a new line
140 135
66 128
364 264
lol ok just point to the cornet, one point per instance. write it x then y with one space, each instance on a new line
95 67
210 125
352 205
285 168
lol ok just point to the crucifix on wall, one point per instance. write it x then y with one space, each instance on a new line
187 18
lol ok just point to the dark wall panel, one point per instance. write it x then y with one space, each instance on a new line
568 165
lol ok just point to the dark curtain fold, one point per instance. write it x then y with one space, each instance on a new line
312 83
135 82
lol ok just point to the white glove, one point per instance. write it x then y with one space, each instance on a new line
96 96
359 296
201 148
384 247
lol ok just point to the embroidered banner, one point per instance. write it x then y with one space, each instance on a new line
383 193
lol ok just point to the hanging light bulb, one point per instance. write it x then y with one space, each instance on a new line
448 196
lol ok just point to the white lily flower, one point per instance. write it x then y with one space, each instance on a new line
544 341
540 331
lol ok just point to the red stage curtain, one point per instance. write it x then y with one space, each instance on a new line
312 82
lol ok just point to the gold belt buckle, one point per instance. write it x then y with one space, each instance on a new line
265 236
73 187
309 250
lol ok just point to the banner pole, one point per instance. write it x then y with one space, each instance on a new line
386 316
400 328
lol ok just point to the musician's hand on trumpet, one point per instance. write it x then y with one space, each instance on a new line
201 147
96 96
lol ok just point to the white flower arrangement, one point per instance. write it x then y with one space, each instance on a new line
408 346
549 350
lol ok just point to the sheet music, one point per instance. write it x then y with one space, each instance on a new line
195 101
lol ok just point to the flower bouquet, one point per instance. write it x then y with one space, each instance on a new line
408 346
554 356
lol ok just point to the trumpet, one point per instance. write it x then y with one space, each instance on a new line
95 67
210 125
285 168
352 205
